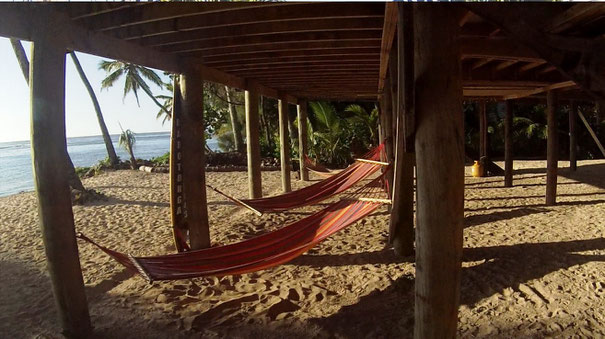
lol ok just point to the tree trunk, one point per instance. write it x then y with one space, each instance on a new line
236 127
440 171
265 123
73 178
111 152
302 139
52 188
291 128
133 160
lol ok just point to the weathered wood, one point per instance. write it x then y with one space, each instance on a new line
552 156
573 137
483 142
47 90
302 139
386 105
255 188
194 178
496 49
299 50
177 198
440 172
284 145
575 14
401 228
592 133
481 63
508 144
389 29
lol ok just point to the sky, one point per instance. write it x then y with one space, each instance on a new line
81 119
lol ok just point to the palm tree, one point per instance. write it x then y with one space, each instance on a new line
111 152
236 127
328 133
165 112
134 76
73 178
362 117
127 141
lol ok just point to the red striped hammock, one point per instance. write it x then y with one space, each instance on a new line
262 252
317 192
318 169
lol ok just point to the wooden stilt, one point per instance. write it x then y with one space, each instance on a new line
47 89
482 129
552 156
177 199
194 180
253 143
573 138
284 144
401 230
302 138
508 145
440 172
387 111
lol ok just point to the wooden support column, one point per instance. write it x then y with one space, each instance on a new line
440 171
194 178
302 139
387 111
253 143
482 129
284 144
552 156
401 230
47 90
573 137
508 145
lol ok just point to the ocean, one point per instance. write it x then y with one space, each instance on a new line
16 167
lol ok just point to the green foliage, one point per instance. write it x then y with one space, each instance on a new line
127 140
328 135
161 160
134 77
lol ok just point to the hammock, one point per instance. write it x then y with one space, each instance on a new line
319 169
262 252
338 183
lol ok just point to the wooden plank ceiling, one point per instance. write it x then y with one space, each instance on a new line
331 50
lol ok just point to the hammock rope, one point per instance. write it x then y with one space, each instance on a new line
317 192
318 168
258 253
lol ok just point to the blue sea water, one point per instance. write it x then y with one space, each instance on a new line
16 167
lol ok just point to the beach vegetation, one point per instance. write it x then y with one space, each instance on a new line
127 140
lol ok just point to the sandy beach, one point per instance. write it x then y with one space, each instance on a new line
528 270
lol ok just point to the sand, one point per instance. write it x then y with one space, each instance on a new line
528 269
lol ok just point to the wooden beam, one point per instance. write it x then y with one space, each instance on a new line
576 14
47 90
302 138
388 34
592 133
265 28
340 48
552 156
497 49
480 63
401 228
531 66
275 41
194 178
578 59
505 64
508 144
255 188
284 144
573 137
483 142
306 65
289 61
559 85
272 13
440 189
465 17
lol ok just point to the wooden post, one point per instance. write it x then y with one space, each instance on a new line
508 145
552 156
482 129
177 199
194 180
255 188
573 137
401 229
440 171
49 147
284 144
302 139
387 111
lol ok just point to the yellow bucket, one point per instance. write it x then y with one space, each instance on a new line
477 169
